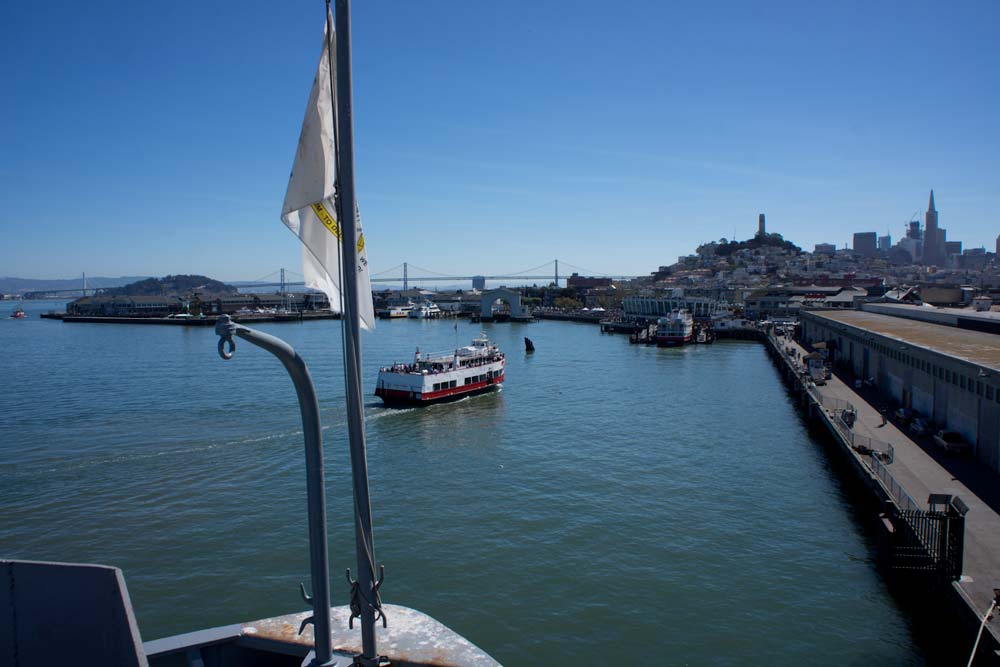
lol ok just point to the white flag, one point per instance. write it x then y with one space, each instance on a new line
309 209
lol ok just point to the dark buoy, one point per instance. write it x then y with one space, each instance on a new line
528 345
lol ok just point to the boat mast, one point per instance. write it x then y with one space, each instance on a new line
367 601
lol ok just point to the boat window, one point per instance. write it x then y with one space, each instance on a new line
453 383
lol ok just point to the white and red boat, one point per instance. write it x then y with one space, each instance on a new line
434 377
676 329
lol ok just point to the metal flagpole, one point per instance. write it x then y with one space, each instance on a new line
365 600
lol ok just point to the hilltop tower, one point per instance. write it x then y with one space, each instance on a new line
760 225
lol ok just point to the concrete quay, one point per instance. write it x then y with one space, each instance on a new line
920 471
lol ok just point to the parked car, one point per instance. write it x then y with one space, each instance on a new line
919 427
951 442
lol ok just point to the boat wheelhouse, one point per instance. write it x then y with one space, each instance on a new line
434 377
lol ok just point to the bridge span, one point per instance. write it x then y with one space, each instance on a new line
397 274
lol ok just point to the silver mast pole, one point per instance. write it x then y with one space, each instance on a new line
355 407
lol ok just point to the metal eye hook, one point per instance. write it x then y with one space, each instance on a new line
222 348
224 329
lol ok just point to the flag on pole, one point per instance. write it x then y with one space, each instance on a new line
310 209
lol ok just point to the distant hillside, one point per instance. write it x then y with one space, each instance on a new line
173 286
11 285
772 240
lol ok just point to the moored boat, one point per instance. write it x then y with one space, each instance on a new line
675 329
425 311
434 377
394 311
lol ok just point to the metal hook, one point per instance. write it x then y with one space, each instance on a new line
305 596
224 329
222 345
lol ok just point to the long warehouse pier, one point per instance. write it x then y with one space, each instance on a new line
936 537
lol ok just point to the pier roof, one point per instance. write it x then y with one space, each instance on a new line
976 347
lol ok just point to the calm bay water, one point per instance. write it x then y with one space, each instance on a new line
612 500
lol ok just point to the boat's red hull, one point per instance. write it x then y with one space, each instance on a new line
397 396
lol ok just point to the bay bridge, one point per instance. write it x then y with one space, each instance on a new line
404 273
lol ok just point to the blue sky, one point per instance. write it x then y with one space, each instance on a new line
145 139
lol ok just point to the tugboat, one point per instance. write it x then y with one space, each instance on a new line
436 377
18 313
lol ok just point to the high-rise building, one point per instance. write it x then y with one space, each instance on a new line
864 243
934 236
760 225
830 249
913 230
998 244
884 243
952 247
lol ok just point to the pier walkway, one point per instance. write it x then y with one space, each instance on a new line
920 474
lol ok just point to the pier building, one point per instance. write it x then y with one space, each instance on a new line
213 304
786 302
950 376
653 307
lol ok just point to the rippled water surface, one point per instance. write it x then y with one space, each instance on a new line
611 502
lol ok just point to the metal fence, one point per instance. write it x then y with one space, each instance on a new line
931 542
903 500
834 404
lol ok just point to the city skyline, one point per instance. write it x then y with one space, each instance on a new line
488 142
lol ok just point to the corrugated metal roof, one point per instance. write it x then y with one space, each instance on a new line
973 346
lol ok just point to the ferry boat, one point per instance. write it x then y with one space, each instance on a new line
675 329
395 311
434 377
425 311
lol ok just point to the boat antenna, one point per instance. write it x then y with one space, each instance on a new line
365 600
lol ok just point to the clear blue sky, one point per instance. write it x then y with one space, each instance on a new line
154 138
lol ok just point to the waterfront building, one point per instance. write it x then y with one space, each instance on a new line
654 307
950 376
479 283
125 306
783 302
865 243
576 281
210 304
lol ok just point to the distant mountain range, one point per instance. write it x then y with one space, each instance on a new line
11 285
